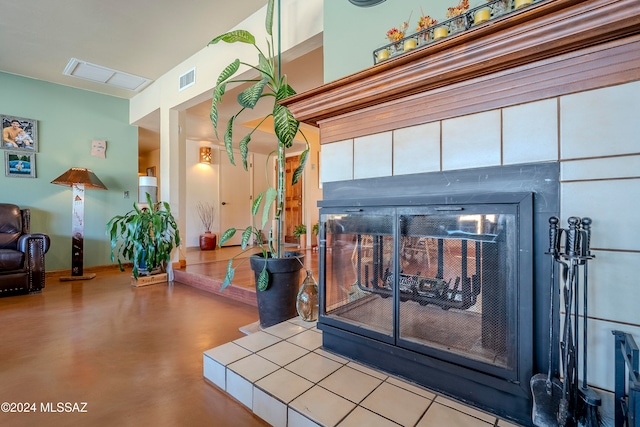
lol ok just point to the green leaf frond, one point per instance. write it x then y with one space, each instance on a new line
285 125
218 92
298 172
228 72
284 90
228 234
269 198
246 236
228 139
249 97
240 36
268 22
244 150
228 277
263 279
256 204
266 69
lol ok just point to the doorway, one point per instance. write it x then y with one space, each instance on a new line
235 198
293 207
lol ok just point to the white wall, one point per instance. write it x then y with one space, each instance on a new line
202 186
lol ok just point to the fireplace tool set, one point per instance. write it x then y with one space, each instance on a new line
567 402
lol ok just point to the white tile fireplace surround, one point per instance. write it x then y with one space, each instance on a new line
595 135
558 83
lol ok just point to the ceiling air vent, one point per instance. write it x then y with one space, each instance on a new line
187 79
99 74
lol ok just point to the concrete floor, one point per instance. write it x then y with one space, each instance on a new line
126 356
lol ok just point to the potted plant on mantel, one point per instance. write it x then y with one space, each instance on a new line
146 237
277 272
207 213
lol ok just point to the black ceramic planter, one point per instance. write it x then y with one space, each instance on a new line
277 303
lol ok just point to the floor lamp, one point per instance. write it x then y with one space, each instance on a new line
79 179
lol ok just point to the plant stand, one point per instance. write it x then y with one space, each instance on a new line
149 280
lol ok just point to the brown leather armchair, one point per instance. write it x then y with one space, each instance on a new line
21 253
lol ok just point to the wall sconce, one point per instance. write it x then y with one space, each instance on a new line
205 155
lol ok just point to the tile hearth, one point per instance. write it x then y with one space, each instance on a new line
285 377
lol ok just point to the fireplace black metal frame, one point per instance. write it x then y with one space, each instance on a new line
505 394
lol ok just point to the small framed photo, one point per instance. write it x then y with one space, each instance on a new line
19 134
19 164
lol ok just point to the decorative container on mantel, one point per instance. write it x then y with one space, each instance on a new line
457 24
481 16
440 32
522 3
459 19
501 7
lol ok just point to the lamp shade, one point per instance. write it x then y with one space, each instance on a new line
147 184
80 176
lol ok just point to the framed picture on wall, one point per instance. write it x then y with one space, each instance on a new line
19 164
19 134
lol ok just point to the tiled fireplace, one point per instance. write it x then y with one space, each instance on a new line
558 87
436 284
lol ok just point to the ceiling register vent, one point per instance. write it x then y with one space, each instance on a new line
99 74
187 79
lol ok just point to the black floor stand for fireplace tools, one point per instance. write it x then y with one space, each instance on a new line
574 404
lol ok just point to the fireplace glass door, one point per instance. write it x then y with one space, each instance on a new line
359 260
442 281
457 284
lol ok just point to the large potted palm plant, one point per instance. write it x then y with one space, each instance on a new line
276 271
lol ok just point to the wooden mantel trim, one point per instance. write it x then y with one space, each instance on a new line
543 31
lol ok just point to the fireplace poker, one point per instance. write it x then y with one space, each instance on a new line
545 389
589 399
568 384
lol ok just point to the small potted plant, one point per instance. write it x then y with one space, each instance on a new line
145 236
300 233
395 35
458 24
424 23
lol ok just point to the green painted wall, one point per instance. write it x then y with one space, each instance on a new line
68 120
352 33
